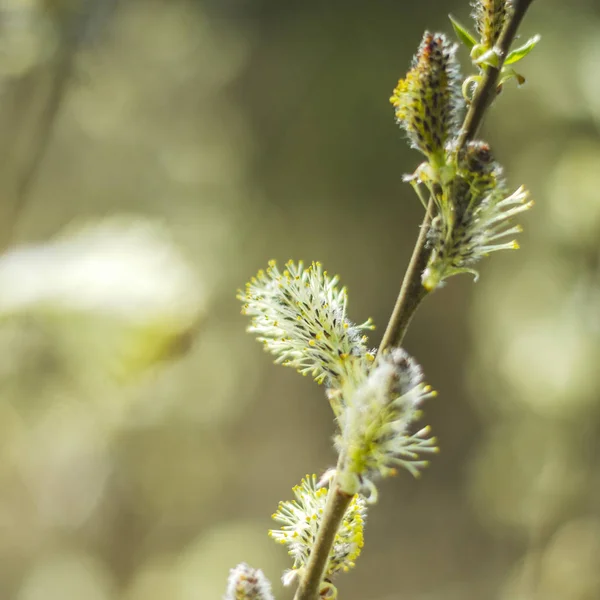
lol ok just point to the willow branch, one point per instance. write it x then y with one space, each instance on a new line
412 291
410 297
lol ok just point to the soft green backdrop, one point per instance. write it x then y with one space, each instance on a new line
258 129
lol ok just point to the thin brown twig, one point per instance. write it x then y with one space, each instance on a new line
411 294
412 291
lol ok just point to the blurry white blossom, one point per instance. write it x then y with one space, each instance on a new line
246 583
127 274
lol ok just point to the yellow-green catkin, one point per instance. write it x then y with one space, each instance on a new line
300 317
427 102
301 519
478 220
490 17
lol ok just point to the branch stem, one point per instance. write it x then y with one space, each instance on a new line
410 297
412 291
335 509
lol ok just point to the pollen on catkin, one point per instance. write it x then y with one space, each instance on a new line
300 316
427 102
301 519
375 427
490 18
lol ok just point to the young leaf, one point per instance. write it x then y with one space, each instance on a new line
519 53
462 33
489 58
508 74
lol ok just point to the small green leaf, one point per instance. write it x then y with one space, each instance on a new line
519 53
477 51
462 33
469 87
489 58
508 74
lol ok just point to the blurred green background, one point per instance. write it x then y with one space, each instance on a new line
235 131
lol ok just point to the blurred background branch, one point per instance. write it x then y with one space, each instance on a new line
41 41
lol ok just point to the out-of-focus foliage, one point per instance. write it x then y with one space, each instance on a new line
258 130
